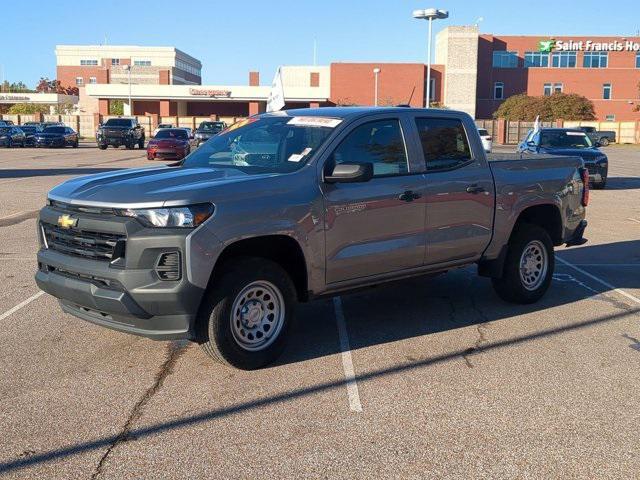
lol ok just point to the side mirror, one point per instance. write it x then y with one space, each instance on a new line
531 143
350 173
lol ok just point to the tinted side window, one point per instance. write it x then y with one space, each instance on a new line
378 142
444 143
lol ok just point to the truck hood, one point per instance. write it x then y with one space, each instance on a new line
148 187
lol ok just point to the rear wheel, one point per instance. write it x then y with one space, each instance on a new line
600 185
129 146
102 147
529 265
245 318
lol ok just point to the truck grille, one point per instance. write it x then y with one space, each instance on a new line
83 243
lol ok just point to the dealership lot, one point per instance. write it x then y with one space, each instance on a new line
423 378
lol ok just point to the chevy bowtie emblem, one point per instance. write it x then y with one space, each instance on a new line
65 221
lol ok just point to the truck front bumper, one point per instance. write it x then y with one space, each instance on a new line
129 294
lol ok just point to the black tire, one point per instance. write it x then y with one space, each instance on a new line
604 141
214 324
102 147
141 143
129 146
511 287
75 145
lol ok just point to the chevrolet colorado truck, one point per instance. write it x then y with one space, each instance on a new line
120 131
294 205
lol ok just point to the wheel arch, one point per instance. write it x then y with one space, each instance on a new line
281 249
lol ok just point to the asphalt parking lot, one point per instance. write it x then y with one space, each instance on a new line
448 381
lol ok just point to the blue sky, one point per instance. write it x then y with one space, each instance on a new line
233 37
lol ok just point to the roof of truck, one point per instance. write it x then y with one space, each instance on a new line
348 112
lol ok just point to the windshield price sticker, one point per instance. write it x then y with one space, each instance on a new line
576 134
296 157
315 122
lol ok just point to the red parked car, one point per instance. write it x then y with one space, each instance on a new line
170 144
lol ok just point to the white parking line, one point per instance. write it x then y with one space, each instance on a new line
600 281
634 220
347 363
20 305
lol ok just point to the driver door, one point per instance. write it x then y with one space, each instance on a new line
374 227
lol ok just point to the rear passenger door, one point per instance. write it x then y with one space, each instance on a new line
459 190
374 227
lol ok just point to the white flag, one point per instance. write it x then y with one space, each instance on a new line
536 124
276 96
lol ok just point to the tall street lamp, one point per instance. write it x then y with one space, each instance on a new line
429 14
376 71
129 68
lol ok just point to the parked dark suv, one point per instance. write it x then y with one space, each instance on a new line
120 131
206 130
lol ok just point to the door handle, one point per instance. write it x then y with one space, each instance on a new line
409 196
475 189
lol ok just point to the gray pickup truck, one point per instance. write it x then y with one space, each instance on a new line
602 137
219 247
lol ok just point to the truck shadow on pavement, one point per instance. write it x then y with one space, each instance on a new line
424 306
407 310
623 183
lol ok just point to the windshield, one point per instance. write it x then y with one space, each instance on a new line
271 144
54 130
210 127
118 122
27 129
165 125
172 133
564 139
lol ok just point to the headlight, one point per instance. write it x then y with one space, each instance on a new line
183 217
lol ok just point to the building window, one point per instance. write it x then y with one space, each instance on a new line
637 60
547 90
93 80
498 90
610 118
85 63
558 87
606 91
142 63
595 59
536 59
184 66
115 62
79 81
564 59
505 59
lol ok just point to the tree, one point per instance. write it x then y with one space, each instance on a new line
54 86
28 108
116 107
559 105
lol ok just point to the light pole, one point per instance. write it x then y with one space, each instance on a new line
128 68
429 14
376 71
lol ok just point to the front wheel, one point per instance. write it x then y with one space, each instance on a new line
102 147
604 141
141 143
528 267
245 318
